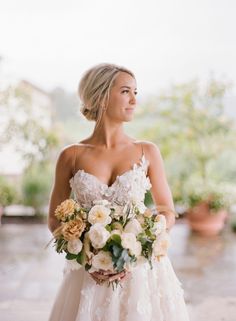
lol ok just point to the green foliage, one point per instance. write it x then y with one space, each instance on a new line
25 127
148 199
146 242
8 193
36 185
120 256
194 136
60 245
70 256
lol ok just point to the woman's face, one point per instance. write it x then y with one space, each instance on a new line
122 101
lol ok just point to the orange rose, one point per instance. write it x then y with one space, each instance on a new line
73 229
65 209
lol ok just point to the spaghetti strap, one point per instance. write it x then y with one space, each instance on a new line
142 150
74 160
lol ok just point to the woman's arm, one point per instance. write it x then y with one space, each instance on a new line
160 190
61 188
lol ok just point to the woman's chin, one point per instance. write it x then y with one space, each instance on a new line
128 119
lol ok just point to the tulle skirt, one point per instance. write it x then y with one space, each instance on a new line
148 295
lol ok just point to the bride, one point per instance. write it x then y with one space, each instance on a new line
113 166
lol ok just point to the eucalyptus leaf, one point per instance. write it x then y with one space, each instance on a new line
70 256
116 250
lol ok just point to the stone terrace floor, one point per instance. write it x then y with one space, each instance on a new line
30 274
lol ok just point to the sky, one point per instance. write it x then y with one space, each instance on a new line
52 42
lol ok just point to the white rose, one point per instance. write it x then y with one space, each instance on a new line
103 261
136 249
101 202
129 242
159 224
99 214
161 244
133 226
74 246
98 235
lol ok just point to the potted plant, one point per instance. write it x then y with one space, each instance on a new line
207 208
197 141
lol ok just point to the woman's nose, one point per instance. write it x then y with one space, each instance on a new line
133 99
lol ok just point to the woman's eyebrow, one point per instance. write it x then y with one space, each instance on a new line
127 87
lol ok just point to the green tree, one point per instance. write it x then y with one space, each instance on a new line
8 192
23 129
193 134
36 185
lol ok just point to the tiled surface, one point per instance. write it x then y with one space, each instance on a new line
30 274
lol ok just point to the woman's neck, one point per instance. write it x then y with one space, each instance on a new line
108 135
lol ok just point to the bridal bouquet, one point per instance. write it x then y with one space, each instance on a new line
109 237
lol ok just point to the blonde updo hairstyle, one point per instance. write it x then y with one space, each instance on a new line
94 89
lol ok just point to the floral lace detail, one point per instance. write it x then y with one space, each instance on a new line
147 295
131 186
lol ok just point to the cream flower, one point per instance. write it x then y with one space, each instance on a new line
129 242
98 235
66 209
99 214
159 224
102 261
136 249
87 251
73 229
74 246
133 226
161 244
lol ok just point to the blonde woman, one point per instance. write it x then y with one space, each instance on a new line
108 165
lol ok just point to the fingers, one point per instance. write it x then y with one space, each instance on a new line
103 276
117 276
126 276
100 276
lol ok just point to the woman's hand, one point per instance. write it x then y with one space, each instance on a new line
103 276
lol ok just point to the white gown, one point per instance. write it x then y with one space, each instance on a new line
148 295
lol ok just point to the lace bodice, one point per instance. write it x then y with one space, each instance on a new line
131 186
147 294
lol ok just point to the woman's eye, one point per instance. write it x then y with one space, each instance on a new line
126 91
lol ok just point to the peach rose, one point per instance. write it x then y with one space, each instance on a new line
73 229
65 209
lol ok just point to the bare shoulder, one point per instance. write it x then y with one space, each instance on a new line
67 155
151 150
68 151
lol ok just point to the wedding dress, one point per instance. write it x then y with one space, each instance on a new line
148 295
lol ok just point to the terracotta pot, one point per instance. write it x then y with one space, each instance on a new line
204 222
